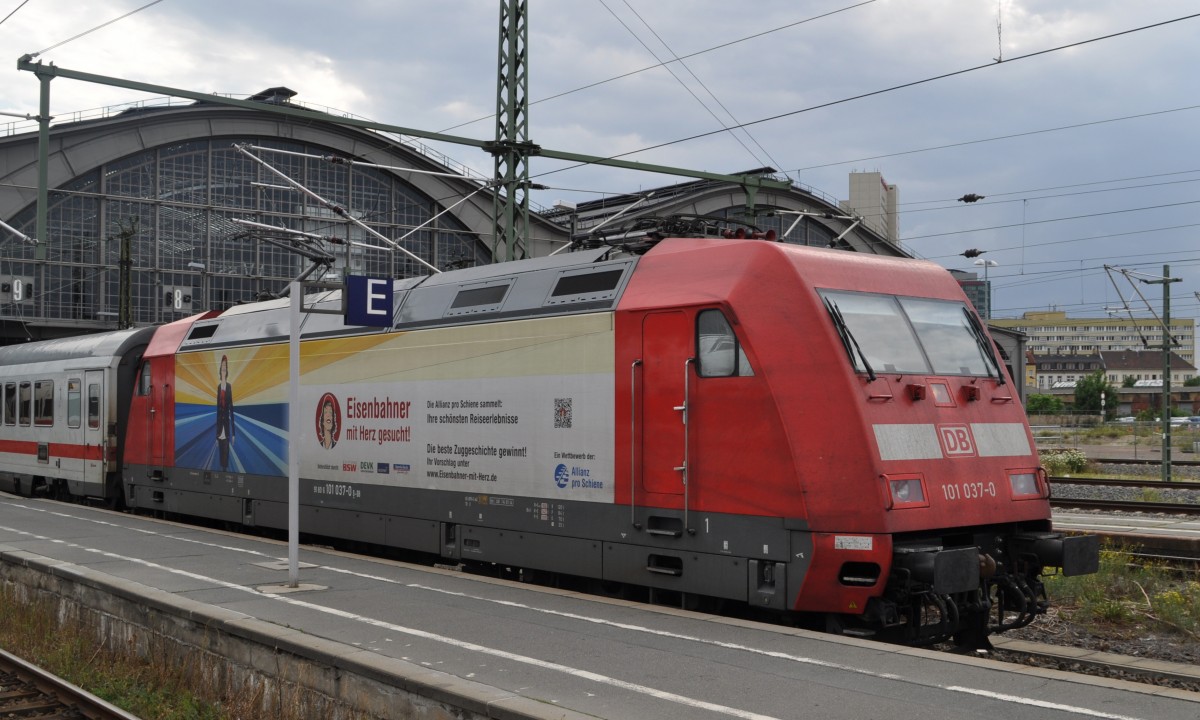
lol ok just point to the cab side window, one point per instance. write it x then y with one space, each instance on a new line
143 385
718 352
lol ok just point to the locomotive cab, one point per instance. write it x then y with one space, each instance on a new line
962 495
853 402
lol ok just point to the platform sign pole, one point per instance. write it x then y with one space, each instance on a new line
297 298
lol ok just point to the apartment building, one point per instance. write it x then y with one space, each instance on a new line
1053 333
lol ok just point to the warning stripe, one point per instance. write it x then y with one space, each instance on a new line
56 450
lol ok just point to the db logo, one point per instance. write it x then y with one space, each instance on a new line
956 440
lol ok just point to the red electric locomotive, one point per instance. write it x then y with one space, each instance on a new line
820 433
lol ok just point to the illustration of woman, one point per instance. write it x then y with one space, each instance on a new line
225 430
327 421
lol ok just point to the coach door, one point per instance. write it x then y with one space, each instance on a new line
666 353
94 450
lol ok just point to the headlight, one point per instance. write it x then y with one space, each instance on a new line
1024 484
906 491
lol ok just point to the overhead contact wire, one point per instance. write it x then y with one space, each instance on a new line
893 88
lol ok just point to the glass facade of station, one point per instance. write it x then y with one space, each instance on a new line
177 204
805 232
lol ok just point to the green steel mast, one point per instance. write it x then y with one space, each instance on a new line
510 218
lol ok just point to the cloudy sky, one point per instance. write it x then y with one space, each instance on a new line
1082 138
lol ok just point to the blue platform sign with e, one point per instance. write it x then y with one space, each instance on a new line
368 301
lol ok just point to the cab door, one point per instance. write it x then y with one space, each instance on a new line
146 436
666 358
156 396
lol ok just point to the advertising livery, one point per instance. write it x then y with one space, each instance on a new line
467 409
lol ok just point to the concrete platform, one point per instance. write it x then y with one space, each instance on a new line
397 640
1147 532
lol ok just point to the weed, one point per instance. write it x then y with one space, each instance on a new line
138 682
1123 591
1179 606
1110 611
1061 462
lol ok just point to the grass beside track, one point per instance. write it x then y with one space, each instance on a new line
1125 593
143 686
31 631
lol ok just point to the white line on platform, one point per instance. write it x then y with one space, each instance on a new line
661 694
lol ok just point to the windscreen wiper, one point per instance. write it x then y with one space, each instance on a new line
848 340
986 349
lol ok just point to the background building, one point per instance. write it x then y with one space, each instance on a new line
1055 370
1053 333
978 291
799 215
1058 375
170 179
1143 366
873 199
165 179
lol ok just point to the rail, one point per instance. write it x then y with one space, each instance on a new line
1124 482
1143 461
29 691
1127 506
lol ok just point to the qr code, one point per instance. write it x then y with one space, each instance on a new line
562 412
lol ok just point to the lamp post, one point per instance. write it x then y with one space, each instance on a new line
987 285
202 268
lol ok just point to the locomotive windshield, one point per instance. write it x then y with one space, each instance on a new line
888 333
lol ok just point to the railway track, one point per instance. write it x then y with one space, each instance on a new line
1100 664
1114 497
1127 506
1144 461
1124 495
1124 482
27 691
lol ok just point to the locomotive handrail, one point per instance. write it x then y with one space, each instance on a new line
687 384
162 435
633 443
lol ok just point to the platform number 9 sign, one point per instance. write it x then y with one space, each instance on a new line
18 289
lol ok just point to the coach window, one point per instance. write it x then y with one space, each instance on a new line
143 386
10 404
43 403
74 402
718 352
25 392
94 405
